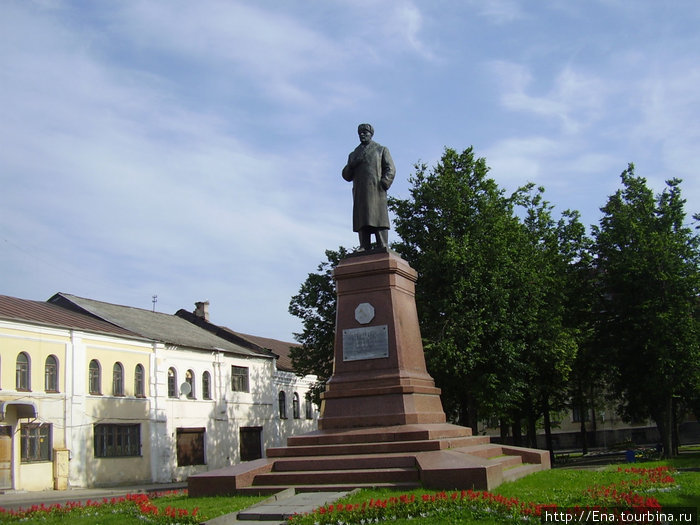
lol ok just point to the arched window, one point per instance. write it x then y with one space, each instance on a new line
189 379
309 406
206 385
51 374
117 379
295 406
172 382
282 400
95 377
139 383
23 372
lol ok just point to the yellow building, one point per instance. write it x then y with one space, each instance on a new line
52 401
97 394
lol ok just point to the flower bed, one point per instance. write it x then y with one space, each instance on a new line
624 494
138 505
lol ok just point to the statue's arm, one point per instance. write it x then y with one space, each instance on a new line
388 169
347 170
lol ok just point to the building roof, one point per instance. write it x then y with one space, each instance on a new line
281 348
166 328
41 312
223 332
278 349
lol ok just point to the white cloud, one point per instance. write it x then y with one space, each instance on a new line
516 161
575 99
573 176
408 22
500 11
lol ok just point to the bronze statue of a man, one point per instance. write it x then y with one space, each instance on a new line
371 170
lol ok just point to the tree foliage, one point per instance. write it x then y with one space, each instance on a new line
315 305
648 261
458 231
548 253
491 294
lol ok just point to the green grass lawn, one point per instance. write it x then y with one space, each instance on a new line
564 487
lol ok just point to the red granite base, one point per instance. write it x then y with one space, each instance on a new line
393 389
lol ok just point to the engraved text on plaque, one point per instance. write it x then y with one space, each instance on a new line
370 342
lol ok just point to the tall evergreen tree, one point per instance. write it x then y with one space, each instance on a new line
648 262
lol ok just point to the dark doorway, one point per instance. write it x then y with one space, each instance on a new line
251 443
190 446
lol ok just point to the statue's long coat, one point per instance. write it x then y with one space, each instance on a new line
371 170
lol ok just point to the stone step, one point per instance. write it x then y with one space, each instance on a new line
483 450
260 490
494 454
387 447
506 461
326 477
380 434
345 462
511 474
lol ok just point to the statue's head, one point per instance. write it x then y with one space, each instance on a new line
366 132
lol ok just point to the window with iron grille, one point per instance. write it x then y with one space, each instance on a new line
118 379
189 379
206 385
23 375
139 383
94 377
51 374
239 379
35 442
172 382
295 406
282 402
117 440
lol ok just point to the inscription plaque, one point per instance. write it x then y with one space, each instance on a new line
369 342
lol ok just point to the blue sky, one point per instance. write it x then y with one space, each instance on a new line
193 150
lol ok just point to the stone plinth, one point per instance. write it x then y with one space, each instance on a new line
379 375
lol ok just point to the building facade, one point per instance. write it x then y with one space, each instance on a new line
96 394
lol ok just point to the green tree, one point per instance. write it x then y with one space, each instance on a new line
547 255
315 305
587 380
648 261
459 231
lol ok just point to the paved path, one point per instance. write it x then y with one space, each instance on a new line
276 509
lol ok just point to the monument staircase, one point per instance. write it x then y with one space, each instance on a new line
382 422
439 456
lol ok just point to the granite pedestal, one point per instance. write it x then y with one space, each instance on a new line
379 375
